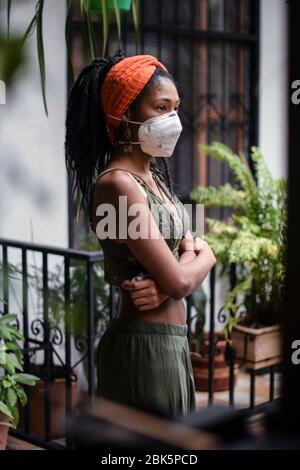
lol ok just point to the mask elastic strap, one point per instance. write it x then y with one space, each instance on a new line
120 142
134 122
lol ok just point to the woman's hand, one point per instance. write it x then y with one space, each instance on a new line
191 244
146 293
186 244
199 244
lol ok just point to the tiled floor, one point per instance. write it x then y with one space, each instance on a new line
242 391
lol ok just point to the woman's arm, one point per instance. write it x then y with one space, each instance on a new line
175 279
146 293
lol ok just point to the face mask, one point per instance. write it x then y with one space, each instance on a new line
158 135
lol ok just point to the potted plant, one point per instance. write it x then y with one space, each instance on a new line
252 238
12 377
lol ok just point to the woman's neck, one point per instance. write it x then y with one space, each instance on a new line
133 162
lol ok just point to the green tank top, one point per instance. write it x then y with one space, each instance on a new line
119 262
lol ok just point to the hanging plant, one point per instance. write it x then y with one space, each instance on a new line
123 5
88 8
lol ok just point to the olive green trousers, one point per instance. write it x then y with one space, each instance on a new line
146 365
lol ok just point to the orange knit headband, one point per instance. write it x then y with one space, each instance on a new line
123 84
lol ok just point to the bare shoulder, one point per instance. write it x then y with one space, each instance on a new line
116 183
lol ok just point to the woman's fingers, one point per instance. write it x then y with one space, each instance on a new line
141 301
145 293
199 244
139 294
136 285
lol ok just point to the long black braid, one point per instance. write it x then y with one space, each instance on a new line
87 146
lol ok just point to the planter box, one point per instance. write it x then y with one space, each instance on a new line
258 348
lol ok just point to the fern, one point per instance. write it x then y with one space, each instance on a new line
254 237
225 195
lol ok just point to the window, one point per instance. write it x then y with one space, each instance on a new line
211 48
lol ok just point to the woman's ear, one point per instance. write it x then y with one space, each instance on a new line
126 116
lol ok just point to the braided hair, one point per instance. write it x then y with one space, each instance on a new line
87 145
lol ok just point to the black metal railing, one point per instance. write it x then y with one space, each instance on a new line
64 347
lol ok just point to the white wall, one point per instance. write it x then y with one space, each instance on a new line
33 178
273 85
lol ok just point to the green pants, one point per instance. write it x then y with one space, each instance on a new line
147 365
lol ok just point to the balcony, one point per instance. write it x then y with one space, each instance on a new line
64 307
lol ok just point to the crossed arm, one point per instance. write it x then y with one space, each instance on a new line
146 294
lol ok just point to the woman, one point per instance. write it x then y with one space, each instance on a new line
122 113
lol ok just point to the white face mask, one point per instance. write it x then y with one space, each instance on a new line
158 135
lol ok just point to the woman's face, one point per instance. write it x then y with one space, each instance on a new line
162 99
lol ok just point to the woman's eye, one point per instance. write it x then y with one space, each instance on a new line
161 107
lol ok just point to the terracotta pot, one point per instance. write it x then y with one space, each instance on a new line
200 363
257 347
57 398
4 428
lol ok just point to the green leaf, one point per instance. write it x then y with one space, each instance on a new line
21 394
5 383
237 164
13 347
40 49
9 365
10 317
136 21
15 414
225 196
105 24
78 203
68 46
15 332
91 34
11 397
118 20
26 379
5 332
29 31
8 16
5 410
83 5
13 360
